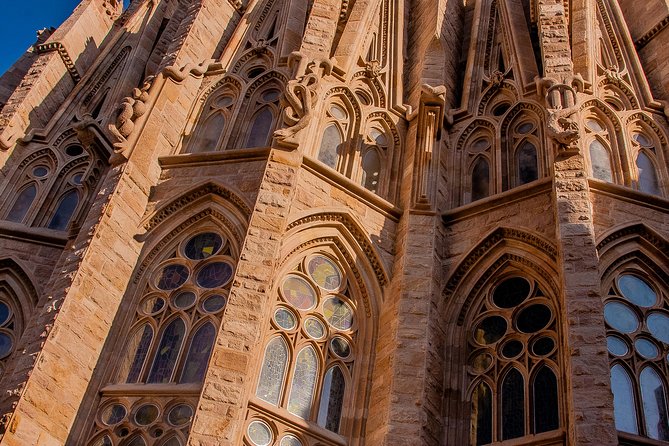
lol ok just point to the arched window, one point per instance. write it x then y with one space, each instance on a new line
599 150
331 151
170 342
30 182
9 329
65 210
647 172
638 343
210 132
262 112
306 377
371 169
22 203
513 363
480 179
524 137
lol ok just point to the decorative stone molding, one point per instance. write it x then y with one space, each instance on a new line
120 58
357 234
655 30
64 55
131 109
207 189
638 230
10 265
486 245
563 112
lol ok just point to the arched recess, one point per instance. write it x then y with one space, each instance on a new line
336 144
648 143
635 289
324 258
381 144
175 303
18 299
476 295
478 140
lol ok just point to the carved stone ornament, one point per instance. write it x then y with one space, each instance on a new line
300 97
372 69
563 111
131 109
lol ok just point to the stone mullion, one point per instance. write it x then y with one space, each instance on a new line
238 349
588 406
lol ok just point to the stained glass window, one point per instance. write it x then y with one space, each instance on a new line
22 204
209 134
299 292
304 383
324 272
371 168
195 366
528 169
273 371
66 207
648 181
261 125
332 399
168 351
203 246
600 161
138 349
480 179
328 153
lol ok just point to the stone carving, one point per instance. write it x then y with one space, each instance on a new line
372 69
130 110
300 97
563 111
564 129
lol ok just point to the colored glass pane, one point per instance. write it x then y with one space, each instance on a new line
304 383
527 164
113 414
138 348
332 399
260 128
167 353
338 313
328 153
648 181
658 325
66 207
273 371
203 245
209 134
285 319
324 272
314 328
172 277
653 397
490 330
621 317
646 348
340 347
481 421
180 415
146 414
480 179
184 300
5 313
259 433
195 366
533 318
299 293
636 290
513 405
22 204
623 400
5 344
512 292
214 275
215 303
546 416
290 440
616 346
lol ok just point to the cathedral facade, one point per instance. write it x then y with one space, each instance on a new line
337 223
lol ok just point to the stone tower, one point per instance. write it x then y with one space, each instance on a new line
337 223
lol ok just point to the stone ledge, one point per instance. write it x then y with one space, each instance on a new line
40 236
211 158
629 195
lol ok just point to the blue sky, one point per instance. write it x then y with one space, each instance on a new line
20 21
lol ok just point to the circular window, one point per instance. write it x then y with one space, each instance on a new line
184 300
224 101
314 328
543 346
616 346
203 245
500 109
533 318
74 150
512 292
512 349
5 313
490 330
255 72
480 145
180 415
113 414
290 440
146 414
621 317
157 432
324 272
122 431
338 313
5 345
642 139
172 277
102 441
337 112
299 293
215 303
637 290
259 433
40 171
658 325
285 318
481 362
152 305
594 125
271 95
340 347
646 348
214 275
76 179
525 128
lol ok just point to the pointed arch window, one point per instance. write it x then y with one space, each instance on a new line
313 310
65 210
371 170
261 125
262 112
513 361
648 180
332 150
524 138
480 179
638 343
599 150
30 183
211 131
170 341
22 203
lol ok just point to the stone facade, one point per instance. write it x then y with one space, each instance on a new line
337 222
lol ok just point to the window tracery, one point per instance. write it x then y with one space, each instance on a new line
10 328
263 111
217 113
647 174
337 125
51 187
309 355
525 142
637 320
169 343
514 363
